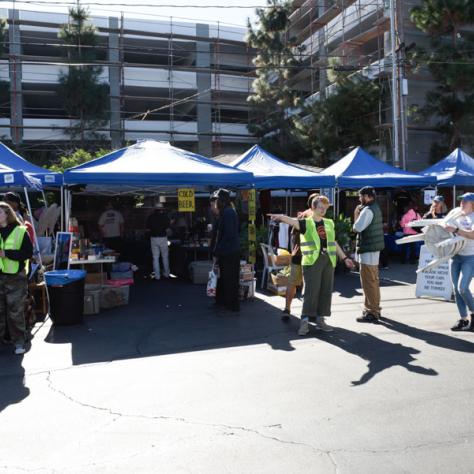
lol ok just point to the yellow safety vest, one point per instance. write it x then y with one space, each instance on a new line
311 243
12 242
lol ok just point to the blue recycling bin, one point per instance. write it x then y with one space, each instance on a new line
66 296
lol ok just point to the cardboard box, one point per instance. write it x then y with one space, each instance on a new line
283 260
96 278
279 280
111 297
277 290
199 271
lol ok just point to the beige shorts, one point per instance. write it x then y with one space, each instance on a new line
296 275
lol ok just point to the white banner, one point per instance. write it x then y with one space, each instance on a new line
435 282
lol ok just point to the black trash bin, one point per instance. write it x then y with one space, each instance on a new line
66 296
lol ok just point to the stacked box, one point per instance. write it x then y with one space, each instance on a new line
199 271
113 296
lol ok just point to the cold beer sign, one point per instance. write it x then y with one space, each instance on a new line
186 201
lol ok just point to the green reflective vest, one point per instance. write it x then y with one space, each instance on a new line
12 242
311 243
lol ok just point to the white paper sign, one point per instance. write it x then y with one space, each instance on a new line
435 282
429 194
8 178
49 178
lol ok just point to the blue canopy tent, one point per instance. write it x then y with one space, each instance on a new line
272 173
358 169
456 169
10 159
150 164
11 179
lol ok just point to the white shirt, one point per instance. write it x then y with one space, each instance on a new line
466 223
363 221
110 222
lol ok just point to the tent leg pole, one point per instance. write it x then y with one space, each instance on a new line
454 196
36 243
61 197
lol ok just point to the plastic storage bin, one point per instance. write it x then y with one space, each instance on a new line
66 296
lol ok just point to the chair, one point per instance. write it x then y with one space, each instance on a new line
269 263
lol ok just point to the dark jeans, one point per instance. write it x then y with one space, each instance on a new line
409 252
227 293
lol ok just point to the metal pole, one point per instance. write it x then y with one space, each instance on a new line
454 196
393 55
61 192
36 243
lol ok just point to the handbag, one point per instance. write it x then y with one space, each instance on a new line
212 284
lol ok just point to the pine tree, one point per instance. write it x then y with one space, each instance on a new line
450 61
85 97
276 62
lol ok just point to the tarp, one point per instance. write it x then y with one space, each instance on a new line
10 178
154 163
272 173
457 169
10 159
358 169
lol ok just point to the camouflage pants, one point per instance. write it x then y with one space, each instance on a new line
13 289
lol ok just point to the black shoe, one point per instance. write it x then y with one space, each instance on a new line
368 318
461 325
285 315
471 327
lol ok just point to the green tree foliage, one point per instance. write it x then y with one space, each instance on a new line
76 158
450 61
277 60
347 117
84 96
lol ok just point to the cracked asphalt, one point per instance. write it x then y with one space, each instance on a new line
170 385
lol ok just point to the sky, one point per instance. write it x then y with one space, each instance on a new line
191 10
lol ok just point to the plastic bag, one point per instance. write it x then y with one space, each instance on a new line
211 284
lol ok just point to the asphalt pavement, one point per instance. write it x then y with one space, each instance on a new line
169 384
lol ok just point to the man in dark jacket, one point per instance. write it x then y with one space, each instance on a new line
370 241
226 252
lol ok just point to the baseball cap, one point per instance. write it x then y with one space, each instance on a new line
438 199
467 197
367 191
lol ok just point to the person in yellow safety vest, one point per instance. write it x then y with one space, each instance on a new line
15 251
319 251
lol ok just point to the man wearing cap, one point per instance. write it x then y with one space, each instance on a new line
462 264
226 252
368 225
157 224
437 209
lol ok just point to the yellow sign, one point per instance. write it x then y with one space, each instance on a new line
252 205
186 201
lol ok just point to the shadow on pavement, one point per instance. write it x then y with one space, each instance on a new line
12 379
167 317
432 338
380 354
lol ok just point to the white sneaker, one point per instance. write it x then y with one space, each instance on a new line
304 328
19 349
321 324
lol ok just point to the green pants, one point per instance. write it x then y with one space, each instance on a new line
13 290
318 281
